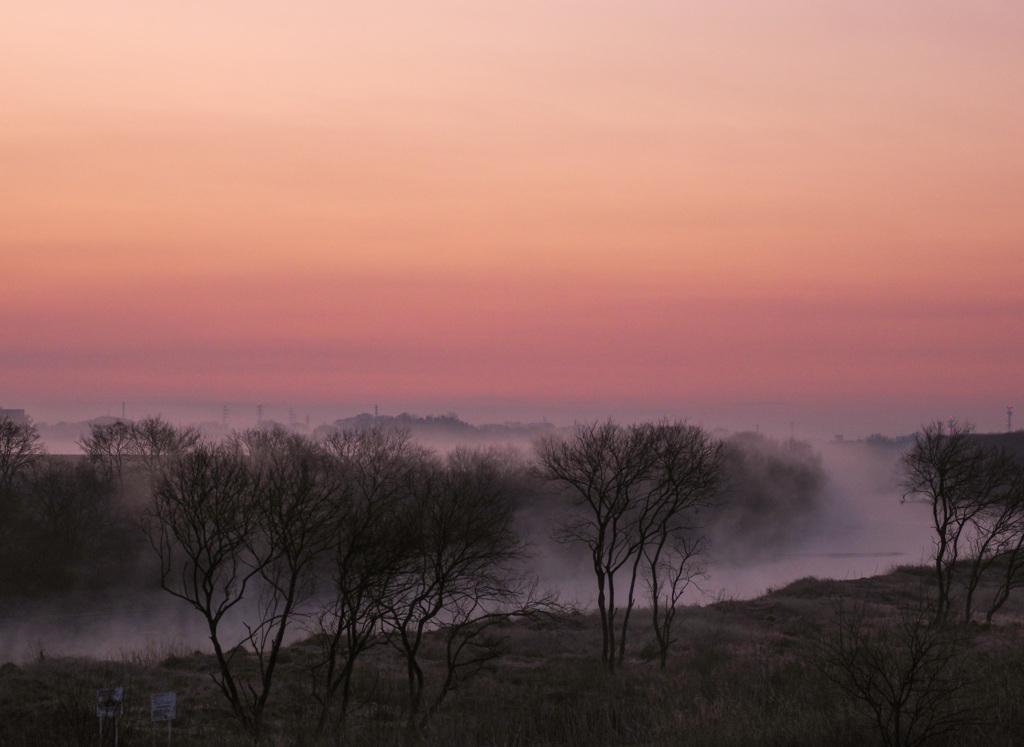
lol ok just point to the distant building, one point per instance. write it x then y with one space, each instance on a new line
18 416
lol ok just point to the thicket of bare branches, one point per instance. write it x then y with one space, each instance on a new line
908 672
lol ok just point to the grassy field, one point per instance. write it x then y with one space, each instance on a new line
741 673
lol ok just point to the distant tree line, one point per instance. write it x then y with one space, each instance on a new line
61 526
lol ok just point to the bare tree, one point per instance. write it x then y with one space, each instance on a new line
108 446
460 571
996 532
672 567
76 535
473 631
203 517
155 443
20 452
295 491
908 672
952 473
997 545
632 488
376 470
686 477
20 449
1011 577
603 466
245 520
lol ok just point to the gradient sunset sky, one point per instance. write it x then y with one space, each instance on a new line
746 213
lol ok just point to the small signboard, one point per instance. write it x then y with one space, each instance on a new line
162 706
109 702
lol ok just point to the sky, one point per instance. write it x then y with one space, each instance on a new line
792 215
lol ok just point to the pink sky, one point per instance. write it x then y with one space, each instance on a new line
741 212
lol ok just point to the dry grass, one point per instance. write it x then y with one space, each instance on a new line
741 673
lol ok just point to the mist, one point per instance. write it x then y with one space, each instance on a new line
858 526
789 509
849 522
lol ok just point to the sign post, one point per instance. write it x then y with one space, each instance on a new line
110 704
163 707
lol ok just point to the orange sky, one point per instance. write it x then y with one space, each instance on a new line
516 208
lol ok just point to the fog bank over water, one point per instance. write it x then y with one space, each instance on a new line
859 528
98 625
862 528
855 526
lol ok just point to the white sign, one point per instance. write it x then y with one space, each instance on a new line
108 702
162 706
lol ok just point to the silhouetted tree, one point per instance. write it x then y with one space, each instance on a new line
108 446
202 522
20 452
377 470
20 449
959 479
604 467
249 518
908 671
155 443
687 476
295 494
1008 554
672 567
631 488
996 533
460 570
